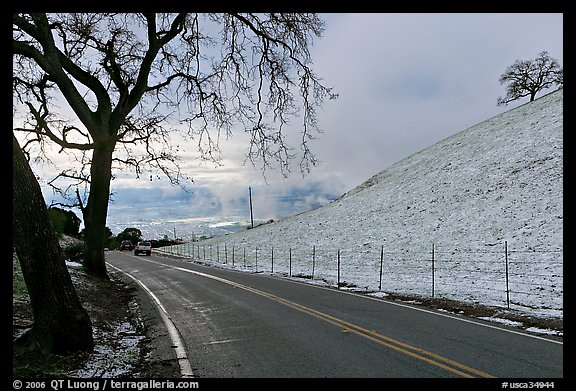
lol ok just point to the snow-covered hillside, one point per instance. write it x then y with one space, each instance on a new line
437 222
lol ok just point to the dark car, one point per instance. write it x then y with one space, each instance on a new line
126 245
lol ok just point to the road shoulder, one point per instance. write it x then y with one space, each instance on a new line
158 359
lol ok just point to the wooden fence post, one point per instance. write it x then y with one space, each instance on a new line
507 287
338 281
432 270
313 259
381 260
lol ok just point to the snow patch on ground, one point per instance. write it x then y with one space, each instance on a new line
116 351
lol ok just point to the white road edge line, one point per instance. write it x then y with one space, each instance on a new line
180 350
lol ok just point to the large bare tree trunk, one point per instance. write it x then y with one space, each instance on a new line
61 325
96 211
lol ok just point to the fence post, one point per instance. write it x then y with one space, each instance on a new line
272 251
313 259
256 260
290 262
232 255
338 280
432 270
507 287
381 260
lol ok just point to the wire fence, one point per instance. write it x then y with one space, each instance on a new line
500 276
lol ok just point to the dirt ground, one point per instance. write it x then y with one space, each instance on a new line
123 322
479 311
131 341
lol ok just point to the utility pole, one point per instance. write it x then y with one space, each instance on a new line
251 214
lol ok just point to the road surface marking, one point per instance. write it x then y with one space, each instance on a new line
177 344
412 351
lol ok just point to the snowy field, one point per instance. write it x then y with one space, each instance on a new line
477 217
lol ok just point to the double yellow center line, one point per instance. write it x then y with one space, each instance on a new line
409 350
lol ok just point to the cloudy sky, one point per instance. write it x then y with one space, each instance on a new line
405 82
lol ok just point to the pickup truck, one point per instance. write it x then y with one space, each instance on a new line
143 247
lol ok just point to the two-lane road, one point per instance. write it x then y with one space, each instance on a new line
236 324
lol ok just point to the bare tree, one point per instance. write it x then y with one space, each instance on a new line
130 80
61 325
528 77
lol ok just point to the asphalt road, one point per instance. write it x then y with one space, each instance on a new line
242 325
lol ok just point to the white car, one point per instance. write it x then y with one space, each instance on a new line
143 247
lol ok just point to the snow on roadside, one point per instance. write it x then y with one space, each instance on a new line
115 352
116 345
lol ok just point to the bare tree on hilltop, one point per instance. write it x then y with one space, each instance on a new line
110 89
528 77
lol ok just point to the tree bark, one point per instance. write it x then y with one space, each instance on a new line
96 210
61 325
